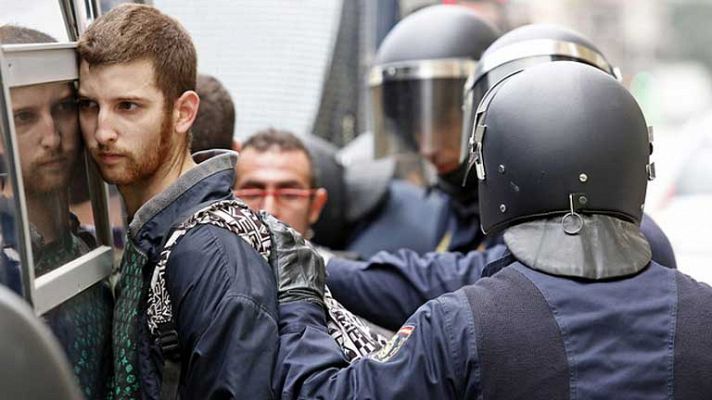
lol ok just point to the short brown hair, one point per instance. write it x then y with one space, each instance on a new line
214 125
280 140
132 32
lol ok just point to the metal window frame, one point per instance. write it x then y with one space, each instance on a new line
78 14
18 189
22 65
59 285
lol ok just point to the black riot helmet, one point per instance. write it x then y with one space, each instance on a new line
560 138
521 48
418 76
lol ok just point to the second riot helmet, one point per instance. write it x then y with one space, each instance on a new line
522 48
556 139
417 82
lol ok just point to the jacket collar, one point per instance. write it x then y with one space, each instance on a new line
211 179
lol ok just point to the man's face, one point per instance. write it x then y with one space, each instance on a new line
125 123
47 134
275 170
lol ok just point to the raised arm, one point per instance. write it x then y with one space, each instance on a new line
432 356
390 286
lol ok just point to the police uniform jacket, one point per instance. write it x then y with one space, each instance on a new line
521 334
389 287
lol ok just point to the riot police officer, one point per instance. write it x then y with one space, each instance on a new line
416 90
574 309
389 287
534 44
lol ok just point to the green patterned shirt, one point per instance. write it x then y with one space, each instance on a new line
125 383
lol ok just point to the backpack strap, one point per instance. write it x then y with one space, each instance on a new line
232 215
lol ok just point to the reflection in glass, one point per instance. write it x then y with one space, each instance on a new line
47 135
49 148
50 151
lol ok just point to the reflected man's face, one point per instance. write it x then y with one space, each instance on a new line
47 134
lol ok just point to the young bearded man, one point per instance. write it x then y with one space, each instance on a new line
137 104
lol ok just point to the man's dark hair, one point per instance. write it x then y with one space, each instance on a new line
133 32
280 140
13 34
214 125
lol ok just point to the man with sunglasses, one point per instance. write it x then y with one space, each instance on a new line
276 174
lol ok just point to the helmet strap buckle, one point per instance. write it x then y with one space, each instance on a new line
572 222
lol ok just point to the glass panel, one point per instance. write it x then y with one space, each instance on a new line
117 217
54 175
50 152
44 15
80 205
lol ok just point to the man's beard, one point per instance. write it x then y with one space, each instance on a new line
142 166
40 182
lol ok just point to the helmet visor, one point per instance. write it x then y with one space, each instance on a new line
419 115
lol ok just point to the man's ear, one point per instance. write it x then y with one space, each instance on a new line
236 145
317 204
185 109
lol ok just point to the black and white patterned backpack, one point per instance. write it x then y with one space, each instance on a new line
236 217
352 334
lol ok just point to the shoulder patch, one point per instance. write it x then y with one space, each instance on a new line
394 344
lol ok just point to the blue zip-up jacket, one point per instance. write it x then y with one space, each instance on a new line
389 287
222 291
520 334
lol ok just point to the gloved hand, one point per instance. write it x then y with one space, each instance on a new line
299 269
